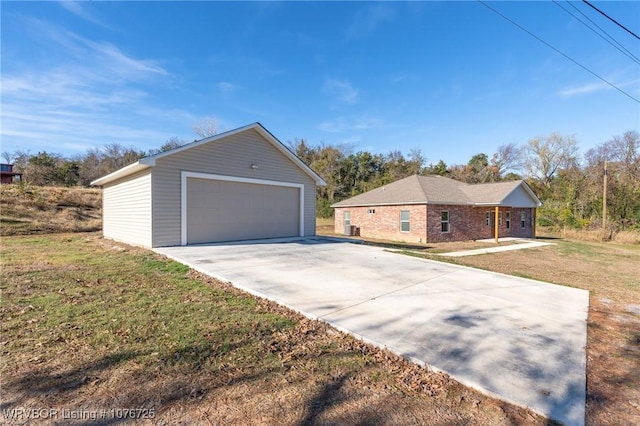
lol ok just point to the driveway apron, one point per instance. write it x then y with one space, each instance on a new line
518 339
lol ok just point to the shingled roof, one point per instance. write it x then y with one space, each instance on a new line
434 189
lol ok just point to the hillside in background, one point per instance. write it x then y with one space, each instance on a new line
29 209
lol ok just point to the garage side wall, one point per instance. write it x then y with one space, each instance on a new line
126 206
231 156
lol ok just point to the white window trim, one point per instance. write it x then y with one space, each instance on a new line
405 221
507 220
183 196
523 220
448 222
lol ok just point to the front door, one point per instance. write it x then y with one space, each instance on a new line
347 223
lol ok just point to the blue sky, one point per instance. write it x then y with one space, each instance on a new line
450 78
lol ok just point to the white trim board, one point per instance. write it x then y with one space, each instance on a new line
183 196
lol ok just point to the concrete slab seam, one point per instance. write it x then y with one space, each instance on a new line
385 294
469 268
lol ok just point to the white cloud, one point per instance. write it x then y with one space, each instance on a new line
341 90
594 87
342 124
122 64
79 8
350 141
581 90
89 93
333 126
366 123
226 87
398 78
367 20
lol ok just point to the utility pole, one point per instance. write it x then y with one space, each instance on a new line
604 198
496 229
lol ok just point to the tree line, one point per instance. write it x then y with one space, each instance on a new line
46 168
569 184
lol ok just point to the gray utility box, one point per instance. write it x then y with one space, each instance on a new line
351 230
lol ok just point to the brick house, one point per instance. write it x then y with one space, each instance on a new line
7 175
421 209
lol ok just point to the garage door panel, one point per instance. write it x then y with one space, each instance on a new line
226 211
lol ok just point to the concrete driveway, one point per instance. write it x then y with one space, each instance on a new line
518 339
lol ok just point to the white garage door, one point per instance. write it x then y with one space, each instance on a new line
227 211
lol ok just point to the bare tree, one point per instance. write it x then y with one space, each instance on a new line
99 162
416 161
507 158
20 160
171 143
206 127
545 156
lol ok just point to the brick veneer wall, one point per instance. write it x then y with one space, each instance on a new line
469 223
384 223
465 222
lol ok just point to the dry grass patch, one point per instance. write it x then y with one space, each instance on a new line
325 226
97 325
28 209
596 235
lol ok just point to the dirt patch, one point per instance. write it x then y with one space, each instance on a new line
29 209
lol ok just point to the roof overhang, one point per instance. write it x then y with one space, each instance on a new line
138 166
406 203
150 161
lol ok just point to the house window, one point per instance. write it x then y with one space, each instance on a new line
489 218
347 218
523 219
444 222
405 223
508 220
500 219
372 211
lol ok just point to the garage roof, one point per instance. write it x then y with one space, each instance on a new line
434 189
150 161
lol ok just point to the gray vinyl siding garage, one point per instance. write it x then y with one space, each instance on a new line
132 224
239 185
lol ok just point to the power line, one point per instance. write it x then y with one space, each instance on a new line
559 51
612 20
611 40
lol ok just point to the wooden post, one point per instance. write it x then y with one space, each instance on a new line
496 228
604 198
533 219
